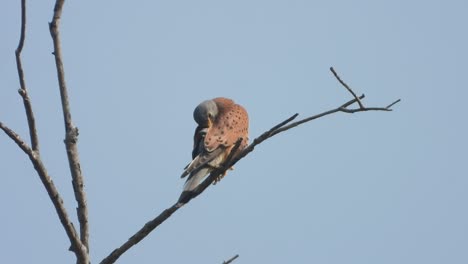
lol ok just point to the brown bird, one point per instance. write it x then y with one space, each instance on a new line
221 122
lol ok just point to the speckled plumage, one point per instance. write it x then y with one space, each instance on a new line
221 122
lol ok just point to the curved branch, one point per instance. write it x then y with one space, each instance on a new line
23 91
71 132
230 161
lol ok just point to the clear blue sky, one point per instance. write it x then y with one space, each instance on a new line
363 188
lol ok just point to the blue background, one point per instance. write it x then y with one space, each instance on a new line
371 187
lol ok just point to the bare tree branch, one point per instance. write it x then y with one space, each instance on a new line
34 155
343 108
16 138
23 91
231 259
346 86
392 104
71 132
230 161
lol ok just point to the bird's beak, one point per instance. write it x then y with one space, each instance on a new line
210 123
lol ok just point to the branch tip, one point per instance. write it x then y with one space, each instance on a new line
231 259
392 104
347 87
285 122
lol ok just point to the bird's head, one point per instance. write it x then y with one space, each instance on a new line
205 113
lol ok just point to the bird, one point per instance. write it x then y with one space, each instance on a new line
220 124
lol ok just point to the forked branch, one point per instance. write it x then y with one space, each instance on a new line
78 246
233 159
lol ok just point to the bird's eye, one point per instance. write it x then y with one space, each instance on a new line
210 115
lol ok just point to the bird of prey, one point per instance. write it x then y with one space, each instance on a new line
221 123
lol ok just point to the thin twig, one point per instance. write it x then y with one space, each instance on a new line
365 109
71 132
231 259
23 90
16 138
346 86
350 102
273 129
392 104
308 119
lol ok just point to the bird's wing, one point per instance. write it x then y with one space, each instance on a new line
201 160
198 138
231 124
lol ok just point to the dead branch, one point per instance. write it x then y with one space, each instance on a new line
71 132
232 160
346 86
34 153
23 90
16 138
231 259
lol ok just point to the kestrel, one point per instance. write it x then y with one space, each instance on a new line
221 122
